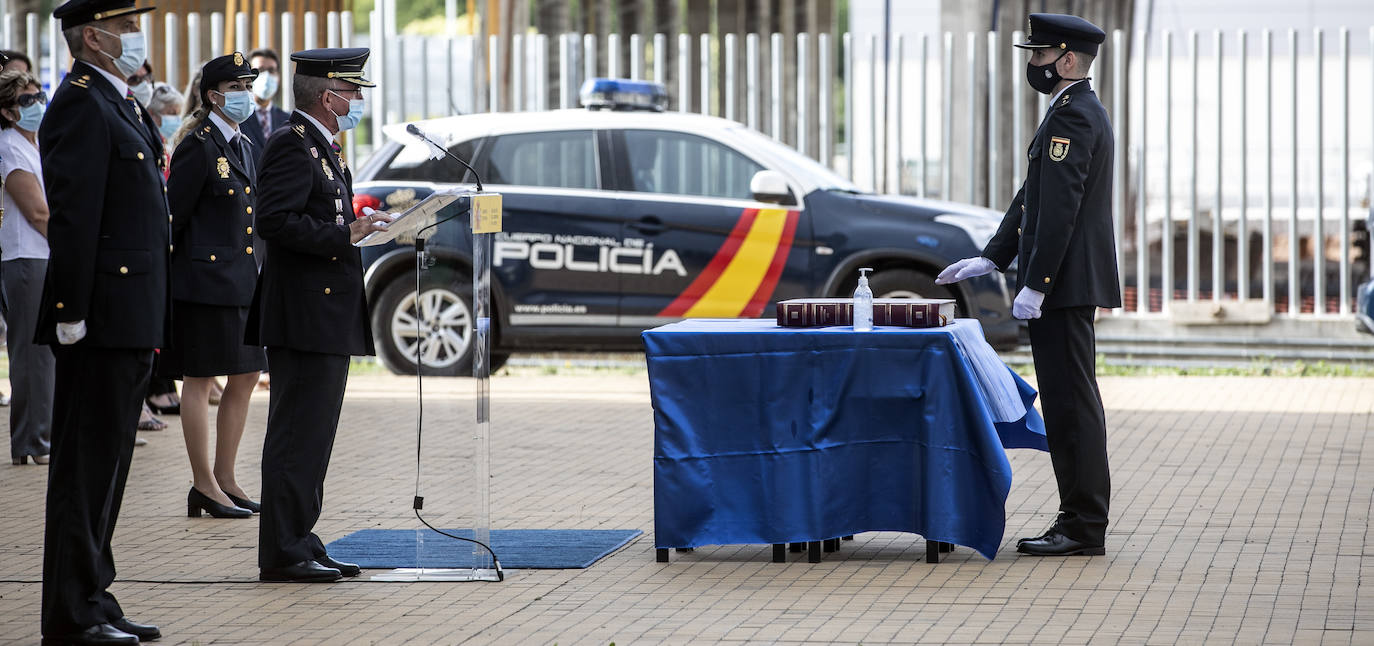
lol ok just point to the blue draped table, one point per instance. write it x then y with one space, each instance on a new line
767 434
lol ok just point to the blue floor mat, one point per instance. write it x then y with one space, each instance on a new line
518 549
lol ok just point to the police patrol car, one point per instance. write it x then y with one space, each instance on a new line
621 217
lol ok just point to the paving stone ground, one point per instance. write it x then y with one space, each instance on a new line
1241 514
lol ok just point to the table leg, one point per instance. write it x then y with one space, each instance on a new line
932 551
946 547
849 537
831 545
795 548
813 551
662 554
779 552
685 550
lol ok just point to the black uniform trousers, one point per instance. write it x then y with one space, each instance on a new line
1064 347
302 416
98 396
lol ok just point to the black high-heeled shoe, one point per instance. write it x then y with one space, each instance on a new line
170 409
244 502
197 501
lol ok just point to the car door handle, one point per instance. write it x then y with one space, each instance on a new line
648 225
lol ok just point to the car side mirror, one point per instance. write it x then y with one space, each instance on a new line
771 186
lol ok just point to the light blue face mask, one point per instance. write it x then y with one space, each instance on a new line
169 125
30 116
356 109
133 51
238 105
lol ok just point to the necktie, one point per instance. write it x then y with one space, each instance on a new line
129 96
245 156
265 122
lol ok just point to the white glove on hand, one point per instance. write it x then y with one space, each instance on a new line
1027 304
966 268
69 333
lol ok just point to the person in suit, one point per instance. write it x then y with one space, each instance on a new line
1059 230
267 118
103 310
309 309
211 193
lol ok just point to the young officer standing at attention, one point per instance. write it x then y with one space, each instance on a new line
212 192
1059 230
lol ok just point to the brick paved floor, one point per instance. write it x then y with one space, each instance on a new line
1241 514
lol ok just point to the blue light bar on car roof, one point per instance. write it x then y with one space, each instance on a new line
623 94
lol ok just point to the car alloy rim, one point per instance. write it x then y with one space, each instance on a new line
445 327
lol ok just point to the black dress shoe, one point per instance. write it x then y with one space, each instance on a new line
99 634
144 632
346 569
196 501
1054 527
1057 544
244 503
303 572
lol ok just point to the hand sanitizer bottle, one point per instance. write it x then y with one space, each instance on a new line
863 303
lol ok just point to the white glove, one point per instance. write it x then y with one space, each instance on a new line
1027 304
69 333
966 268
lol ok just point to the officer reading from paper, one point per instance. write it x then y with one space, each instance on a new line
1059 230
103 310
309 309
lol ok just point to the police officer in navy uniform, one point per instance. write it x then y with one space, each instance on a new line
214 273
104 309
310 310
1059 230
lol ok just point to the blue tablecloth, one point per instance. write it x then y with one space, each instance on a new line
766 434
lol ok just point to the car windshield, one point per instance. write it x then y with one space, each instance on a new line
797 163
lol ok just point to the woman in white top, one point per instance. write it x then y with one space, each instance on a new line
24 253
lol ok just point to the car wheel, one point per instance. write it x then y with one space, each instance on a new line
906 283
443 310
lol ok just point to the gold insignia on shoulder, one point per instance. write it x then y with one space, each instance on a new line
222 167
329 174
238 59
1064 101
299 129
1059 148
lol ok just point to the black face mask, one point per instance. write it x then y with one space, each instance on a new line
1044 77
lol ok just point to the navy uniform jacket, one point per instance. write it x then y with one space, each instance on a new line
1059 227
310 294
108 232
212 199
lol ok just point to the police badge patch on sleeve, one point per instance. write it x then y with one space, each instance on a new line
1059 148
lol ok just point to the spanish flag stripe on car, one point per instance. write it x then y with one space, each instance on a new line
740 278
764 293
713 269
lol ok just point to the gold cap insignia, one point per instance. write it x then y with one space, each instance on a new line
1059 148
238 58
222 167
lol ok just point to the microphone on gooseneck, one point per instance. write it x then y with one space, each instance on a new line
415 131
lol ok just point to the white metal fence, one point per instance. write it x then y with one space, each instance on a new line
1234 178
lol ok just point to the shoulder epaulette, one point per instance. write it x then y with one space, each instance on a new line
82 81
1065 100
201 132
299 129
